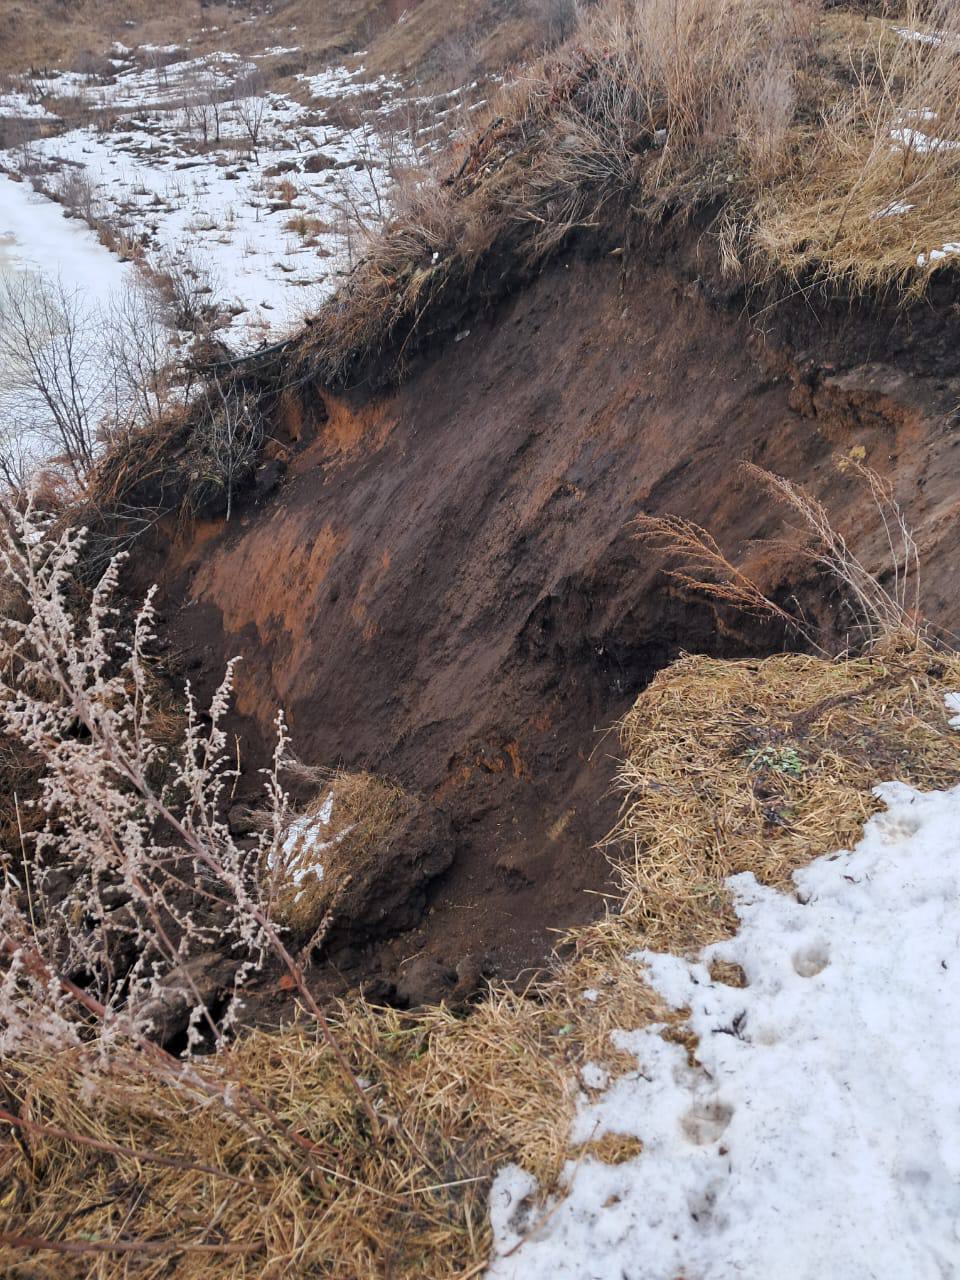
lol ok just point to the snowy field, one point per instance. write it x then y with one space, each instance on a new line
237 208
35 235
193 162
819 1138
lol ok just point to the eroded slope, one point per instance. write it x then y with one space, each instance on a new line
441 584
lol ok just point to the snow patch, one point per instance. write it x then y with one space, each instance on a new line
303 843
893 210
948 250
820 1134
933 38
914 140
19 106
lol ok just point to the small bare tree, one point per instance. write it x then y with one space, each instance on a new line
203 104
48 352
232 437
75 376
156 60
140 355
251 103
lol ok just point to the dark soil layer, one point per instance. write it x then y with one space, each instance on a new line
440 583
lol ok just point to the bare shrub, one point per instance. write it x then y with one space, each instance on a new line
203 104
365 201
140 354
73 108
250 106
228 440
156 60
187 286
149 872
48 350
85 376
396 168
77 192
19 135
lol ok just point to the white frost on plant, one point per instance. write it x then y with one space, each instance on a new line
820 1134
952 703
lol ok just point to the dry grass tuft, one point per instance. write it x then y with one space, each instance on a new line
653 100
328 845
826 144
705 568
880 615
762 766
875 193
729 766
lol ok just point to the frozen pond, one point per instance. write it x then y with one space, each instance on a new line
34 234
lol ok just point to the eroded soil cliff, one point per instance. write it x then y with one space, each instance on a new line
440 583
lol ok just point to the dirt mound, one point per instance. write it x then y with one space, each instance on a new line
445 589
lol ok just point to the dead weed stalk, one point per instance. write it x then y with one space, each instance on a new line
890 616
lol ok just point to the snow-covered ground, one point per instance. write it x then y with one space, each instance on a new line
193 161
35 235
819 1138
250 203
19 106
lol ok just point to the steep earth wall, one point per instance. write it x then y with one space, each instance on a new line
440 582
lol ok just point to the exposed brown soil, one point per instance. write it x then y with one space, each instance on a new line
444 587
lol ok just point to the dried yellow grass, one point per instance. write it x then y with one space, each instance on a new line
762 766
363 808
781 118
729 766
876 188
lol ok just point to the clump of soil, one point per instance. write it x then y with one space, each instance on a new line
357 863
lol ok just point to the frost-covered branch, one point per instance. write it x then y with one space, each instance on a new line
135 869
